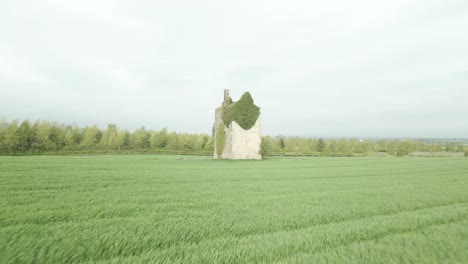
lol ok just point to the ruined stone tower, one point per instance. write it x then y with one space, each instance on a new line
237 130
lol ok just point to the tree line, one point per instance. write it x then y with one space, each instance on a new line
45 137
40 137
347 147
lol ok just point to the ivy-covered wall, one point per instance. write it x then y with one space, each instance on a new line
244 112
220 140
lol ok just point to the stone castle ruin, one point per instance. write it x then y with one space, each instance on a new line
237 130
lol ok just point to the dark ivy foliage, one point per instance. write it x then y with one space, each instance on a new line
220 140
244 112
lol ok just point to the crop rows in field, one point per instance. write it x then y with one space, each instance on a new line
193 209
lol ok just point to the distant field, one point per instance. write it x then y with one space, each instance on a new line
150 208
437 154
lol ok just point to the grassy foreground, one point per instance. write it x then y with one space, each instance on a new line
172 209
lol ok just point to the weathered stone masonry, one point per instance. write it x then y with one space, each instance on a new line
239 143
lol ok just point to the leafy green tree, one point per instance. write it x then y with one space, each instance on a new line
321 145
380 146
10 137
24 136
204 141
68 139
209 146
265 146
41 140
363 146
109 138
173 142
393 146
91 137
436 148
56 137
343 147
3 126
330 148
198 141
294 145
154 139
122 140
187 142
159 139
141 139
450 147
281 144
72 137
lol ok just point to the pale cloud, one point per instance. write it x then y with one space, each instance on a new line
319 68
14 68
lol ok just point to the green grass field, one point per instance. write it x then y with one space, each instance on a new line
172 209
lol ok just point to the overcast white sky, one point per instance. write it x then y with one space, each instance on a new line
364 68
